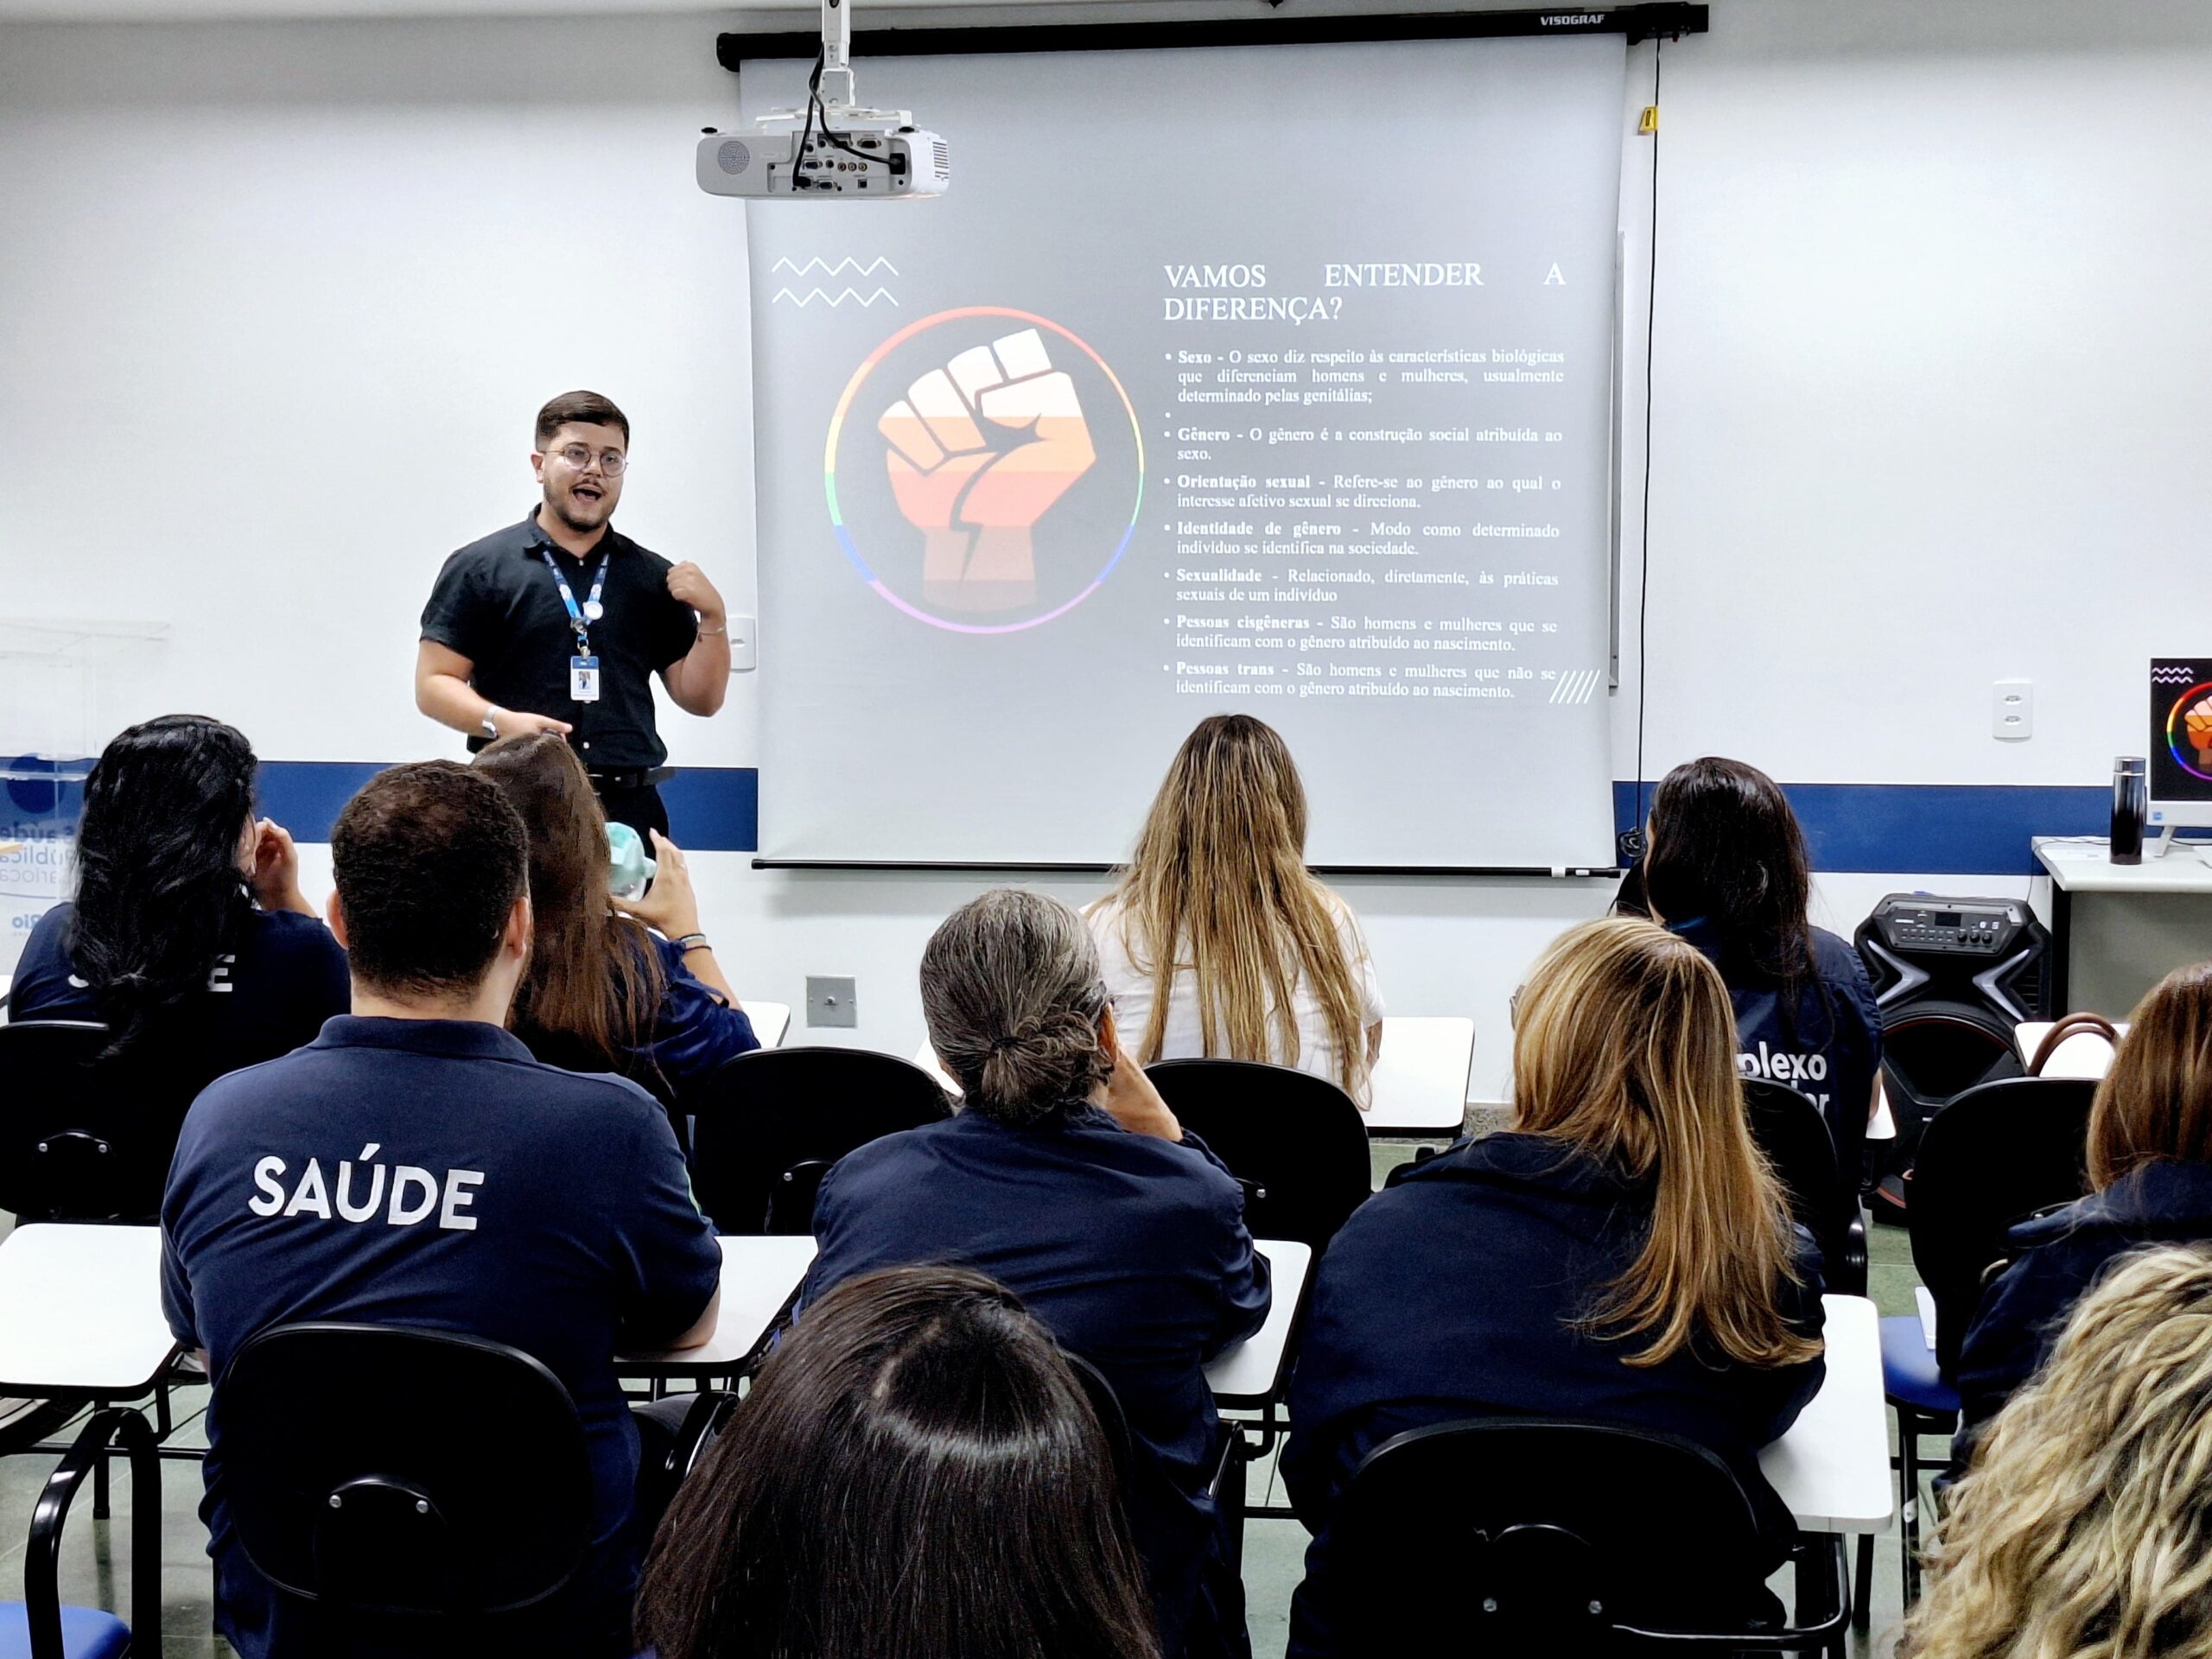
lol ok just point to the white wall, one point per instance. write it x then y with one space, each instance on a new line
276 301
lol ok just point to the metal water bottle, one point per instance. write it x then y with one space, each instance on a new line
2130 804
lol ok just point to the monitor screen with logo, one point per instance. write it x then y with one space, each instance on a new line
2180 741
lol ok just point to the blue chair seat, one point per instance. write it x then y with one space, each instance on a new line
87 1633
1909 1373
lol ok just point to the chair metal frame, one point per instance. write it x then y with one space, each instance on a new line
87 1455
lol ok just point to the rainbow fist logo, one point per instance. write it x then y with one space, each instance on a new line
974 504
993 493
2189 731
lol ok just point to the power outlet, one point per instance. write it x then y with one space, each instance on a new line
829 1002
744 645
2012 709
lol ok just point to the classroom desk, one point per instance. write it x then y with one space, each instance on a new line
2085 1054
1832 1467
80 1310
2139 922
771 1021
1420 1086
1252 1374
760 1275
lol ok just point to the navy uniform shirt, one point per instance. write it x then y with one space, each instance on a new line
1130 1249
1457 1293
1825 1042
429 1173
497 604
2056 1259
695 1033
282 976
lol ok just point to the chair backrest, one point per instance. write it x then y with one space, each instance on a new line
770 1113
388 1470
83 1138
1295 1142
1791 1130
1992 1157
1517 1535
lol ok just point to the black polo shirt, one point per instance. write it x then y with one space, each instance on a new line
497 604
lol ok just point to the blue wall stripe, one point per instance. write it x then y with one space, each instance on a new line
1929 829
710 809
1912 829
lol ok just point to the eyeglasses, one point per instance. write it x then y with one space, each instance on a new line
579 455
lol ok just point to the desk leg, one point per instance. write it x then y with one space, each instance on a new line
2062 950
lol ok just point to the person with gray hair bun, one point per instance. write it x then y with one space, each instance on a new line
1065 1178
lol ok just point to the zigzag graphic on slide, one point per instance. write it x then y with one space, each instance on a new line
2172 676
847 263
813 294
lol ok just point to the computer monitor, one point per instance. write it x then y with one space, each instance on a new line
2181 741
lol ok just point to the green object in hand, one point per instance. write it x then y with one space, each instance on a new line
630 869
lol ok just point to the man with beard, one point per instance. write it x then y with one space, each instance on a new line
560 622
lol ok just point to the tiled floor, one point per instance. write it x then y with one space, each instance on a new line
95 1568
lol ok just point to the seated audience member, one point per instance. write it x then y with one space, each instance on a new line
602 993
2150 1160
1216 942
917 1473
1066 1178
1621 1253
188 931
1725 868
2082 1528
562 1217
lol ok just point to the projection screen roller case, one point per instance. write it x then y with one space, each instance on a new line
1271 380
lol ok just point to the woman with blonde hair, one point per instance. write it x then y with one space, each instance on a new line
2084 1527
2150 1175
1621 1253
1216 942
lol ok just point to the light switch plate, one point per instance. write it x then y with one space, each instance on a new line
2012 709
829 1002
744 645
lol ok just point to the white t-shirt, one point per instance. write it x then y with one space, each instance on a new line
1127 968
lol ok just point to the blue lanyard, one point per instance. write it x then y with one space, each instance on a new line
592 607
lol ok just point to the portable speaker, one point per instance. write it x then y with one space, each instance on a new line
1952 977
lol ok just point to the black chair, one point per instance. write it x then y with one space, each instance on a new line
1514 1535
769 1125
83 1138
1295 1142
405 1486
39 1626
1995 1155
1795 1138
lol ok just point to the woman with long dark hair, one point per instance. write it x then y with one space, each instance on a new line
1726 868
188 932
917 1473
604 991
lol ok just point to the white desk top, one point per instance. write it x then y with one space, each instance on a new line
2085 1054
2081 866
1832 1467
759 1275
80 1310
1421 1082
771 1020
1419 1085
1251 1373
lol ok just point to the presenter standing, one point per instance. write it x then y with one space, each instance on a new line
560 622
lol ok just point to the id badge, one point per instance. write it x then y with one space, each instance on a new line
583 679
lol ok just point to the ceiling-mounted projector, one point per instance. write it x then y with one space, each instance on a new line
829 149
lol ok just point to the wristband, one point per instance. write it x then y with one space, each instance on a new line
694 942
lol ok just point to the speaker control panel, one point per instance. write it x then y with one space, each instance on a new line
1967 927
